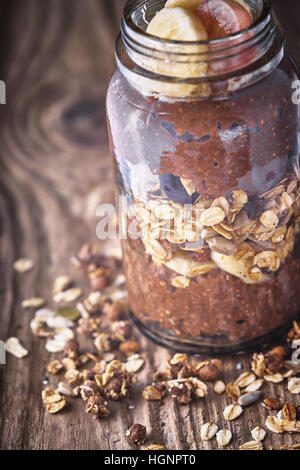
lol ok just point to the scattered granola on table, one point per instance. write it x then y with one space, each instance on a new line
106 371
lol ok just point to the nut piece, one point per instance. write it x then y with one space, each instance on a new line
100 278
115 380
289 412
65 389
114 311
89 389
23 265
258 364
97 406
73 377
54 367
233 391
71 349
199 387
151 393
122 330
232 412
294 385
252 445
181 391
54 401
274 359
272 403
209 370
258 434
93 304
136 434
224 436
208 431
130 347
134 364
219 387
68 363
14 347
105 342
87 326
179 367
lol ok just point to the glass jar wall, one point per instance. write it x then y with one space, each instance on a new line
209 171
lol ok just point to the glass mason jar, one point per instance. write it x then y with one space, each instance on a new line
204 137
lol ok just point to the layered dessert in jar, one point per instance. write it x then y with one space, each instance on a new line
204 133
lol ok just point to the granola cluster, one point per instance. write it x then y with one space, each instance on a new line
181 380
106 371
257 234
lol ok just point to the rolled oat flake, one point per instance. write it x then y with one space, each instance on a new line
294 385
245 379
208 431
256 385
224 436
258 434
232 412
251 445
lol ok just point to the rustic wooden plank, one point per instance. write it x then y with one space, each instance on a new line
55 170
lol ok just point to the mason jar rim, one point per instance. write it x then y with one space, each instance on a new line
141 56
128 25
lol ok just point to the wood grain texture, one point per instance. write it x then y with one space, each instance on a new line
56 59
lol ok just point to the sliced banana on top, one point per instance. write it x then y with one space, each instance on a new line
238 268
183 3
182 25
177 24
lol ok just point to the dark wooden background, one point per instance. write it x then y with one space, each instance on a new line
56 59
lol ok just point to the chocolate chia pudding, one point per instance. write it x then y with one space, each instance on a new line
210 173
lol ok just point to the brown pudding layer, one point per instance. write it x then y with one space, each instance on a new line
216 304
230 271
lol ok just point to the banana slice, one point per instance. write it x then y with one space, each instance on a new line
182 264
238 268
181 25
183 3
178 24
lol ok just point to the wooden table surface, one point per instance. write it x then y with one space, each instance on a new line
56 60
